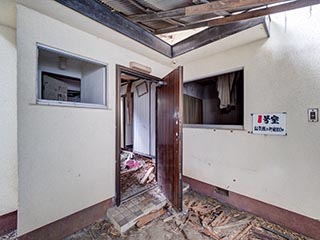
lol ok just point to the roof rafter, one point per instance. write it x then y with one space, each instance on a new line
216 6
243 16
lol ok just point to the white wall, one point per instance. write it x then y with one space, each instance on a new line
66 154
8 120
280 74
93 83
144 119
8 108
141 122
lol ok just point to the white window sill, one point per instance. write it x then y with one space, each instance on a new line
214 126
70 104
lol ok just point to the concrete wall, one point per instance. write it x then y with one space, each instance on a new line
8 109
66 154
281 74
8 122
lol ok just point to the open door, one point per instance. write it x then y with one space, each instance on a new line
169 137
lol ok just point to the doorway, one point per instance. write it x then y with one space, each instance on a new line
148 134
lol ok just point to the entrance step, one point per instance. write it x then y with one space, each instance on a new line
126 215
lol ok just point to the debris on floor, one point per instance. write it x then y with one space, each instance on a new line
137 174
139 210
9 236
202 218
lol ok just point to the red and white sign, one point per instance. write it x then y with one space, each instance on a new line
269 123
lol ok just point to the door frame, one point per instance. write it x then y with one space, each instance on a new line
119 70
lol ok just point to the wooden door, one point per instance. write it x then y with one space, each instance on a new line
169 137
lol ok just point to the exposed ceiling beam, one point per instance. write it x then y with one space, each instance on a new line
242 16
228 5
104 15
216 6
263 12
146 10
213 34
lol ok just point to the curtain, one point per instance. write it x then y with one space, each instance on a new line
225 85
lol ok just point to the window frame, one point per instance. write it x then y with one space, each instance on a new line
39 73
221 126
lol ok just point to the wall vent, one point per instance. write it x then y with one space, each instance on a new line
221 191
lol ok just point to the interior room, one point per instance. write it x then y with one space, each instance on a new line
138 135
69 78
214 101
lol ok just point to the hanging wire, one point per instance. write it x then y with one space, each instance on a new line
285 22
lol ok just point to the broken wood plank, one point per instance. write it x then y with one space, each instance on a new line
144 179
151 177
205 231
233 224
225 221
202 209
151 216
242 233
217 220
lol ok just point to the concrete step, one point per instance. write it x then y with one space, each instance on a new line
126 215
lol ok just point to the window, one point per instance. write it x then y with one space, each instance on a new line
214 101
67 79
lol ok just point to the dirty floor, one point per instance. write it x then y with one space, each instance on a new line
130 178
202 218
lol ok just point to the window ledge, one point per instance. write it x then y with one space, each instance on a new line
70 104
214 126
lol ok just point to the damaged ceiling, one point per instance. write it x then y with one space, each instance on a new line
146 20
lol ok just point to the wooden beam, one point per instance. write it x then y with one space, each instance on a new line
102 14
263 12
242 16
180 28
142 8
216 7
179 12
213 34
225 5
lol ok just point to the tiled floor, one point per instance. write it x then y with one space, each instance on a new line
126 215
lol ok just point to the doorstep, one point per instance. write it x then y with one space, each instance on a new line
127 214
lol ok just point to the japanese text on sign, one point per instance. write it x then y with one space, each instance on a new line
269 124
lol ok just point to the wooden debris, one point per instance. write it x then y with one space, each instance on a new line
151 216
146 176
202 209
242 233
263 235
168 219
276 233
217 220
152 176
234 224
205 231
225 221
